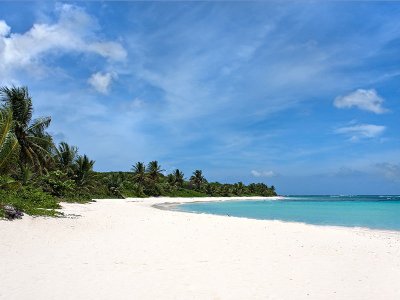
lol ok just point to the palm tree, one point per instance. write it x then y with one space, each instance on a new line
25 174
154 170
179 178
66 155
83 169
8 141
34 142
114 184
239 188
197 179
139 173
171 180
272 188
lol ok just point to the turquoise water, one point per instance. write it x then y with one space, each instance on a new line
376 212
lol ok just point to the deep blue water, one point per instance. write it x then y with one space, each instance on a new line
376 212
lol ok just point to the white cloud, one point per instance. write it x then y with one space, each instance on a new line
4 28
360 131
101 81
363 99
74 31
263 173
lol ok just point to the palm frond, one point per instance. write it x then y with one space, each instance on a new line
20 103
8 141
36 145
40 124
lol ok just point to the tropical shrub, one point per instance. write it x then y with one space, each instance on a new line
114 184
57 183
30 200
9 184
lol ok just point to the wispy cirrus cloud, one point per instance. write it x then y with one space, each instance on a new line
361 131
266 174
368 100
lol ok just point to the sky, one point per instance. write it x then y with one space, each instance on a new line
301 95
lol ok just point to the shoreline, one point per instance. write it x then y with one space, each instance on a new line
169 206
120 248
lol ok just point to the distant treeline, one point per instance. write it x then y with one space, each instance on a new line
36 174
147 181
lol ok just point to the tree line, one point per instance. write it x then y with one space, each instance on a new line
36 174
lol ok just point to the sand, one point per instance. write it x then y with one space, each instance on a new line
127 249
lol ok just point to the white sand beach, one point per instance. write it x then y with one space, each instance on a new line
127 249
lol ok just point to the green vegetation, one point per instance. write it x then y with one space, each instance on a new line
36 174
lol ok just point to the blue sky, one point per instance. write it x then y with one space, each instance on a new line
302 95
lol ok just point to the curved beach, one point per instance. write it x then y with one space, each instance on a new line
127 249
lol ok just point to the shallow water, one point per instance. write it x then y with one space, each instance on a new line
376 212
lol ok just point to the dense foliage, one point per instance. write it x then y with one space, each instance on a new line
36 174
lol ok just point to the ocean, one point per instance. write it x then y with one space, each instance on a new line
374 212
